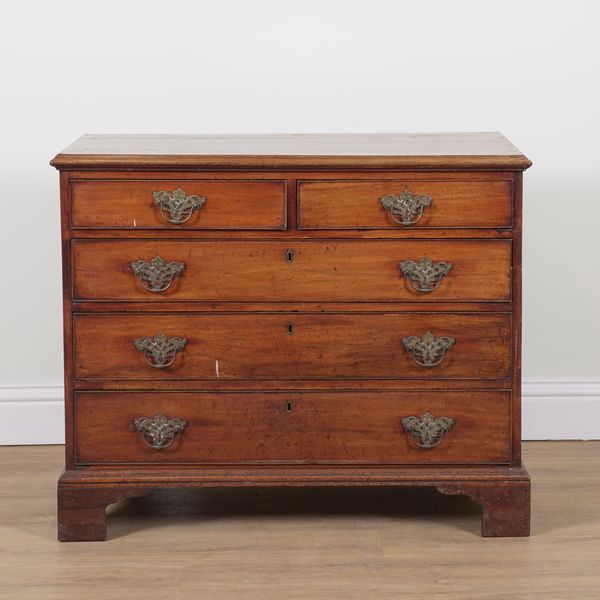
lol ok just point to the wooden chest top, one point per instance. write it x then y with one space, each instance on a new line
481 150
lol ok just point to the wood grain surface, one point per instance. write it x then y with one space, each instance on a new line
350 204
308 428
325 346
230 204
355 271
420 150
325 544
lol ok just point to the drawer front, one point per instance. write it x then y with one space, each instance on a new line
322 271
293 346
358 204
318 427
201 204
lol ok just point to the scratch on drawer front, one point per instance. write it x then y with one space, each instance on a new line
217 369
134 223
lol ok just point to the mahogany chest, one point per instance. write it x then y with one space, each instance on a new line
292 310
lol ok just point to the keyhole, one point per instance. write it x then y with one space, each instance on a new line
288 406
289 255
290 328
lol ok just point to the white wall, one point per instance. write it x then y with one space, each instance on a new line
529 69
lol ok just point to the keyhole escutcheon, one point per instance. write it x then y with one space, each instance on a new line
288 406
289 255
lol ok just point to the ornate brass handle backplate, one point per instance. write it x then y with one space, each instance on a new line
406 209
177 207
427 431
160 351
158 432
424 275
156 275
428 350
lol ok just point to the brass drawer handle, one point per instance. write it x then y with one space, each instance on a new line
424 275
158 432
427 431
428 350
177 208
406 209
159 351
157 275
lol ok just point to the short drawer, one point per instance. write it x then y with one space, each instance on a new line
404 204
310 427
292 346
178 204
318 271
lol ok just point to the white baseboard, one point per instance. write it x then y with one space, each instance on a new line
561 410
31 414
552 410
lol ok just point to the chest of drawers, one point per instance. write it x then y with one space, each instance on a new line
299 310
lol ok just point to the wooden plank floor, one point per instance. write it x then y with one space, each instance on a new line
301 543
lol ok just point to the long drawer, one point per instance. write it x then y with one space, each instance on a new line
319 427
292 346
404 203
320 271
178 204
